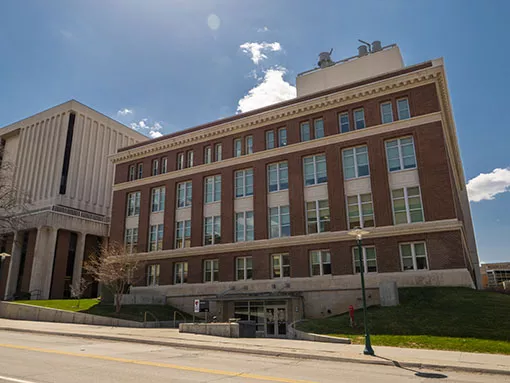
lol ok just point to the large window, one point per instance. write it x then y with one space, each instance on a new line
158 199
413 256
270 142
369 260
407 207
244 269
403 109
281 265
184 191
355 162
190 158
218 152
155 167
180 161
140 170
131 241
318 128
133 204
400 154
360 211
153 275
183 234
317 216
212 189
320 262
278 177
279 222
207 155
305 131
359 119
282 137
164 165
212 230
343 122
314 169
249 145
244 183
132 173
238 147
156 238
386 112
180 273
244 230
211 270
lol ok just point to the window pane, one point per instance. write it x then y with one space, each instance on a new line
344 122
394 164
421 263
400 218
419 249
407 263
269 139
318 128
403 109
305 131
409 162
416 216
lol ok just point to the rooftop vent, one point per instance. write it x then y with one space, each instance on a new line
362 50
325 59
376 46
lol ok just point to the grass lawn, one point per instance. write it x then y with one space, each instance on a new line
440 318
93 306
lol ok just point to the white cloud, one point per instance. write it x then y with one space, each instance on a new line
265 29
152 130
272 89
124 112
255 50
66 34
486 186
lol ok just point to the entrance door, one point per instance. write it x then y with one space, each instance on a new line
276 321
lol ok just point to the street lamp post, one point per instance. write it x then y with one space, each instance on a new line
358 233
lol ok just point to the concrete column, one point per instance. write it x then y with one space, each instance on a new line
42 268
14 264
78 259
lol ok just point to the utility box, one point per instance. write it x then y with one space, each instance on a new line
388 293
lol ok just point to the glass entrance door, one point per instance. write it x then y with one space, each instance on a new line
276 321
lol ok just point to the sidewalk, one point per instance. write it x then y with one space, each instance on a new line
410 358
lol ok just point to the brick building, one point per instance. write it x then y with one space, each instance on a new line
252 212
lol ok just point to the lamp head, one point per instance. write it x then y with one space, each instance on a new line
358 232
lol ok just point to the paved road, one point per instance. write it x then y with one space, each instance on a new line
29 358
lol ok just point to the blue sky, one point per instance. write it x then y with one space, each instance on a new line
169 65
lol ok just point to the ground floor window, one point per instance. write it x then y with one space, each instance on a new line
414 256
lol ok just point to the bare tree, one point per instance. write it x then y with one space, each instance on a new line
78 289
114 268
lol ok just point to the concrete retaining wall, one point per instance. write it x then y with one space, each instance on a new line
226 330
21 311
301 335
139 299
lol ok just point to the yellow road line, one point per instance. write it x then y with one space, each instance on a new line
157 364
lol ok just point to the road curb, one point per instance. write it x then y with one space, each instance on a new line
281 354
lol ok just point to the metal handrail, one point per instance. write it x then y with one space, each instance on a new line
151 314
175 314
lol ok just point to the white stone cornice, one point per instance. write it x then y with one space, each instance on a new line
302 240
284 113
300 146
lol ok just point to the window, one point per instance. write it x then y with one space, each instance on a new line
400 154
318 128
278 176
155 167
131 241
211 270
407 205
314 168
355 162
158 199
183 234
156 238
282 137
140 171
359 119
320 262
403 109
281 265
153 275
133 205
414 256
244 268
212 189
218 152
369 260
244 183
305 131
279 222
317 216
238 147
212 230
207 155
270 139
360 211
249 145
164 165
180 161
343 122
244 226
189 159
180 273
386 113
184 191
132 174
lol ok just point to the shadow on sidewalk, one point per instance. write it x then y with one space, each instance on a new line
421 374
